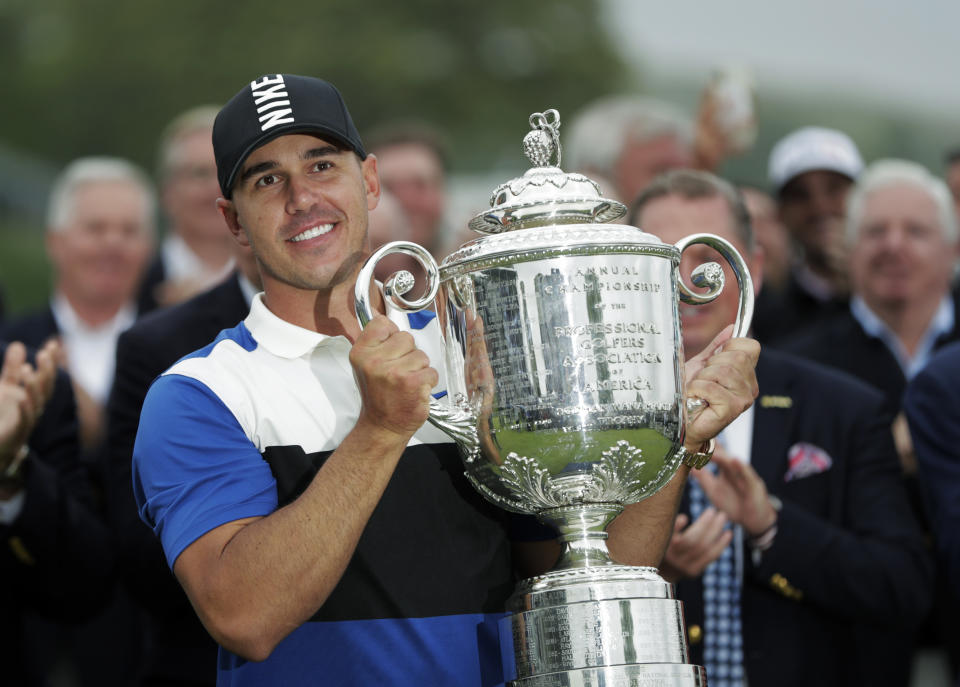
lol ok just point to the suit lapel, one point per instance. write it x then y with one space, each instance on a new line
773 421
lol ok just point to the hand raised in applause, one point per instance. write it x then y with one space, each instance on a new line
395 379
723 375
738 492
694 546
24 390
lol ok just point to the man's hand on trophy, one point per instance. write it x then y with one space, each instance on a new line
394 377
722 376
694 546
737 491
479 373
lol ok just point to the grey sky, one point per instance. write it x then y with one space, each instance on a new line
896 52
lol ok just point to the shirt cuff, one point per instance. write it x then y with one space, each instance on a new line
11 508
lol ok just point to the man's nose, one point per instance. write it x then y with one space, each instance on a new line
300 195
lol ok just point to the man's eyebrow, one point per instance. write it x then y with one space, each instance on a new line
267 165
264 166
322 151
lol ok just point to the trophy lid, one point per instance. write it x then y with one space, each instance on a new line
545 194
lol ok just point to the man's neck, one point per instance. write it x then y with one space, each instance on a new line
92 314
909 322
331 312
214 252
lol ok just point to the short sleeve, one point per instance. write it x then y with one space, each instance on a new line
194 468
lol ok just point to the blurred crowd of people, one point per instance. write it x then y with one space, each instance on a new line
851 449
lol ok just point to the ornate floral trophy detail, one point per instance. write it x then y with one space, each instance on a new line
564 370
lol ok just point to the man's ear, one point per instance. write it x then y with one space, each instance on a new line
53 242
229 213
371 180
758 257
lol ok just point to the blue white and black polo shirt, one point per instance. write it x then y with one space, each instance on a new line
240 427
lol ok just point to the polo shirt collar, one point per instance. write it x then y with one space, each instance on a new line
278 336
287 340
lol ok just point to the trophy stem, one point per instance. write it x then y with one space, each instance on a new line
583 533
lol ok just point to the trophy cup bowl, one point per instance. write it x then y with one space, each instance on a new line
564 367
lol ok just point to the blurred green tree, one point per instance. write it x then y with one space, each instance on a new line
104 76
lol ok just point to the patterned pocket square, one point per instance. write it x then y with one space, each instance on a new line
805 460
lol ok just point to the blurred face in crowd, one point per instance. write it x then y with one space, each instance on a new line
415 176
674 217
770 234
388 222
900 256
100 253
953 181
813 207
301 203
641 161
190 189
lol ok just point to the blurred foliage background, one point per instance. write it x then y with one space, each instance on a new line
85 77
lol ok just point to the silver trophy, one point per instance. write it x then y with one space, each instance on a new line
564 368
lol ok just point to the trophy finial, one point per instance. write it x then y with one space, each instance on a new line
540 144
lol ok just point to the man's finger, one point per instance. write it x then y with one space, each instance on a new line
377 331
47 366
13 361
708 526
716 549
693 365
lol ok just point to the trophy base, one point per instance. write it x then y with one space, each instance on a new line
647 675
607 625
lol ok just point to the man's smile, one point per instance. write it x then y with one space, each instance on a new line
312 232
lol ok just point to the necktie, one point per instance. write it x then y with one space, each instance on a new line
722 636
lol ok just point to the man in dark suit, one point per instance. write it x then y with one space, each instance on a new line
829 576
55 555
810 173
196 252
932 407
100 231
179 652
902 233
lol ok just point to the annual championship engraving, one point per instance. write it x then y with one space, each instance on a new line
564 375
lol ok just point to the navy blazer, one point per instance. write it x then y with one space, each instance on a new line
183 651
842 343
33 329
932 406
836 599
56 558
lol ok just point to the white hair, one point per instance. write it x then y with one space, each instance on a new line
892 172
599 132
90 170
195 120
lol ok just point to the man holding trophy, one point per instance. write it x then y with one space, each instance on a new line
825 547
322 530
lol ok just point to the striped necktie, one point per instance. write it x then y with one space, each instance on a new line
722 635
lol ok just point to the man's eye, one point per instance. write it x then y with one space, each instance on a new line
267 180
322 165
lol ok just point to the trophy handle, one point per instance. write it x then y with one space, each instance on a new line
710 275
455 422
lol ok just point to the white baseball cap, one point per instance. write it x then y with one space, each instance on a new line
813 148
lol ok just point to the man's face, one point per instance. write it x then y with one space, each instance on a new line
641 161
769 233
674 217
102 251
813 207
414 175
900 256
190 190
302 204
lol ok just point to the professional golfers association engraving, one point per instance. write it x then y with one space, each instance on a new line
564 369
